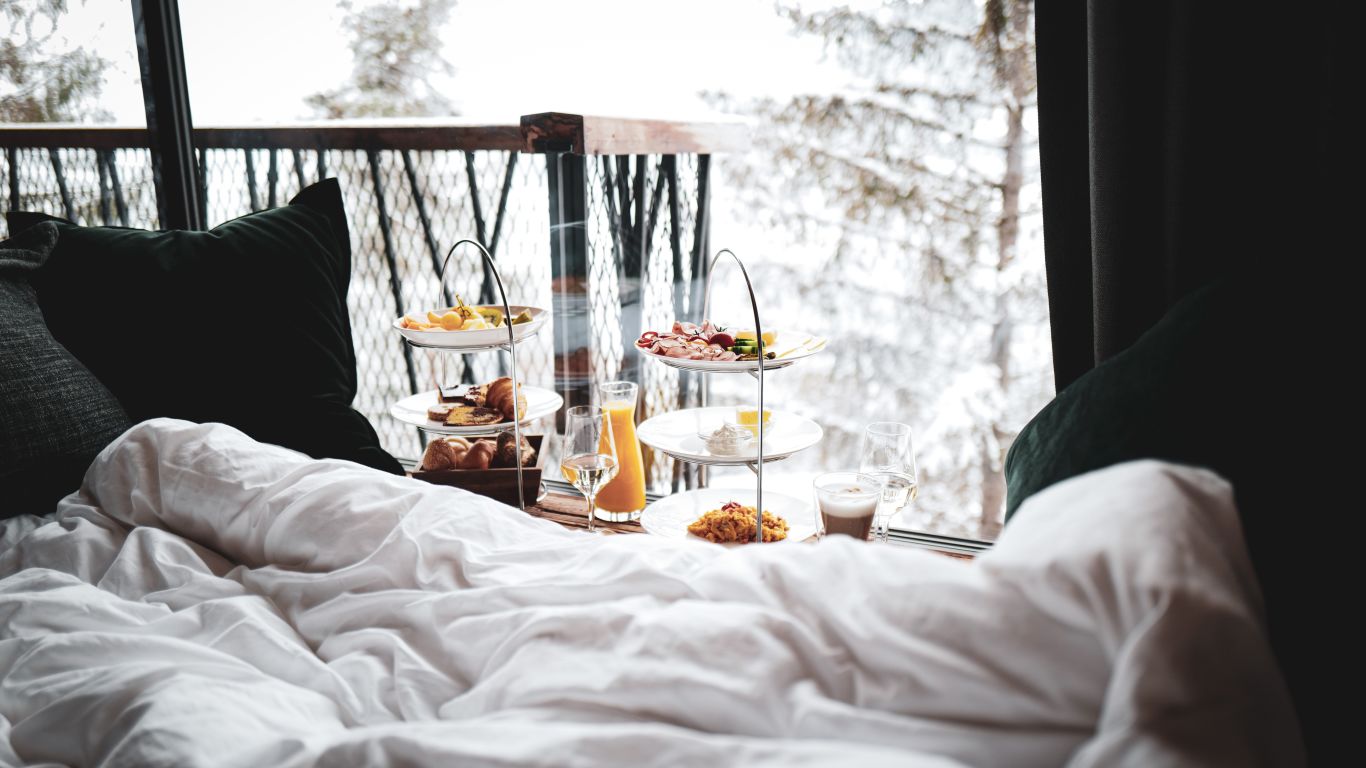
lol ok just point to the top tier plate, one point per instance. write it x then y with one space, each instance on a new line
474 340
790 346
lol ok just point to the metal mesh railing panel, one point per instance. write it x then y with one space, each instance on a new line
442 179
604 278
94 194
636 279
114 187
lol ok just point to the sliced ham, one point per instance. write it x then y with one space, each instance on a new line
687 341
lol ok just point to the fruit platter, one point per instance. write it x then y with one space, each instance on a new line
712 347
466 326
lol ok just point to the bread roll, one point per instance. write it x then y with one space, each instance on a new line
438 456
478 456
506 456
444 453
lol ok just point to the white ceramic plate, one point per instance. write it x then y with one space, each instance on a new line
675 433
784 341
491 337
413 410
671 515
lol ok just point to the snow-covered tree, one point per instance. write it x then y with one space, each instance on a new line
396 53
912 183
45 78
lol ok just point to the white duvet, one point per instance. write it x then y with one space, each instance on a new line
206 600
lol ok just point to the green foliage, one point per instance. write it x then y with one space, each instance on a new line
37 83
396 49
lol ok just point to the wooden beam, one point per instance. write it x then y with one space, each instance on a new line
589 135
363 136
547 131
343 134
63 135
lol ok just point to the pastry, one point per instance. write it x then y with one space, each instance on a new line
479 455
437 456
477 394
439 412
462 394
472 416
499 396
505 456
444 454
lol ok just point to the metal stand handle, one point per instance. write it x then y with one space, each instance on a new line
759 418
512 353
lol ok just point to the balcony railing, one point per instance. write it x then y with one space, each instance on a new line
603 220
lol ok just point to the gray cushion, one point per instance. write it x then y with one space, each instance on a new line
55 416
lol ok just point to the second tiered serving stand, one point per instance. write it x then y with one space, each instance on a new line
671 433
540 402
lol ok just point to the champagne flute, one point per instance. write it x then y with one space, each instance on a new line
888 455
589 457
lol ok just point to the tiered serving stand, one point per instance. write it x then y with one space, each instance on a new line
540 402
674 433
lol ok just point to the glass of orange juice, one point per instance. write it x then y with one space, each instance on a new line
624 497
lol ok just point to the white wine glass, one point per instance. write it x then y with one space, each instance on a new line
889 455
589 455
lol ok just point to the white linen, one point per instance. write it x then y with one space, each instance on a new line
206 600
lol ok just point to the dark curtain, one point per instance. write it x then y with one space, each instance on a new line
1187 142
1179 141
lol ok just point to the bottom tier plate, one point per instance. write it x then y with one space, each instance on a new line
671 515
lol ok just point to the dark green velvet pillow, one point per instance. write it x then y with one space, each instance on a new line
1174 395
245 324
1238 378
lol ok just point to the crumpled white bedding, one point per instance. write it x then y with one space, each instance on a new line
207 600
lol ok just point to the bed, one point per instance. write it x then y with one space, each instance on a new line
206 599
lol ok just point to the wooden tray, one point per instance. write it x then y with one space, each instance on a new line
497 484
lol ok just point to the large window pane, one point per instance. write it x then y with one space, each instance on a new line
72 112
890 201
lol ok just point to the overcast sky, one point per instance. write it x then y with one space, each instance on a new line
253 61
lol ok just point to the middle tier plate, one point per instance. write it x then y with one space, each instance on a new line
675 433
413 410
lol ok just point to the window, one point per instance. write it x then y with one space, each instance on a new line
72 111
889 200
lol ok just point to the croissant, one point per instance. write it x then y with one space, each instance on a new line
478 456
499 397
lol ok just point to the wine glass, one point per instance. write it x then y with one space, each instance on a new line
888 455
589 456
